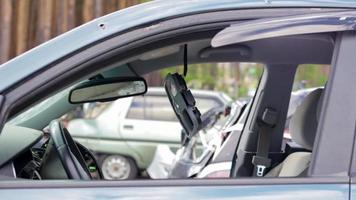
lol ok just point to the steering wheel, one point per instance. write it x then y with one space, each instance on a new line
68 152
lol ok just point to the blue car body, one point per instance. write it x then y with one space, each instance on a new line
50 52
285 192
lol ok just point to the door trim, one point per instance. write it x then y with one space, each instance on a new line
156 183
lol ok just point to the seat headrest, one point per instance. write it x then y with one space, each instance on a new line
304 122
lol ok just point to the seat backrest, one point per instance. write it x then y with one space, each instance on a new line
304 122
303 127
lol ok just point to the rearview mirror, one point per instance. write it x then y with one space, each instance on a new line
107 89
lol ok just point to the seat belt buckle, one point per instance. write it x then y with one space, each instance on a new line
261 164
260 170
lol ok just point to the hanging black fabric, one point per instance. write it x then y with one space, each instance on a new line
185 60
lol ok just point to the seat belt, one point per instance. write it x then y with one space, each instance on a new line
261 161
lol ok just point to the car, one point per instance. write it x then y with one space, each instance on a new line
103 60
144 122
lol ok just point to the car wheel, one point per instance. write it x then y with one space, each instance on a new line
116 167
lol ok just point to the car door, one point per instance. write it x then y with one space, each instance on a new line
330 174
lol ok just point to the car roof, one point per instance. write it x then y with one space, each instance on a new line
36 59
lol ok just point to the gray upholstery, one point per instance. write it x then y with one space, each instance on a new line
303 128
305 120
294 165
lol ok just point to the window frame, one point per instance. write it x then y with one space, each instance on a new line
333 113
344 100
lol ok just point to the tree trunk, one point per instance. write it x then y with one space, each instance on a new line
27 23
22 11
88 10
44 21
5 31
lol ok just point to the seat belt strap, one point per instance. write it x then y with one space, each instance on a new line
261 160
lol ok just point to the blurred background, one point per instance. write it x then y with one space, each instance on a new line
28 23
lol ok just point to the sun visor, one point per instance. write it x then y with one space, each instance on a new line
285 26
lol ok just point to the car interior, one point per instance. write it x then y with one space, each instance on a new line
39 147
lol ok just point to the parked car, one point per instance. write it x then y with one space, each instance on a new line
124 134
102 61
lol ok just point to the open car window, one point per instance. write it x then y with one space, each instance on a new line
284 26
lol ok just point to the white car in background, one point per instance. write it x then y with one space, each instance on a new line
124 134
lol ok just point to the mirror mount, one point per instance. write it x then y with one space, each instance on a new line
185 60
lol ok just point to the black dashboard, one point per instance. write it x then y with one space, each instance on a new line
28 154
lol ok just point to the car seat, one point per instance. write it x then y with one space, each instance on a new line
303 127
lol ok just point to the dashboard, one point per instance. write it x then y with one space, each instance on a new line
28 154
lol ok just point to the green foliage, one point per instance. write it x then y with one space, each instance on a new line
311 76
243 91
241 79
231 79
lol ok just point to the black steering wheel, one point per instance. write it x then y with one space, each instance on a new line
68 152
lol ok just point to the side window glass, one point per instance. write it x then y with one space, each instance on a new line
137 108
